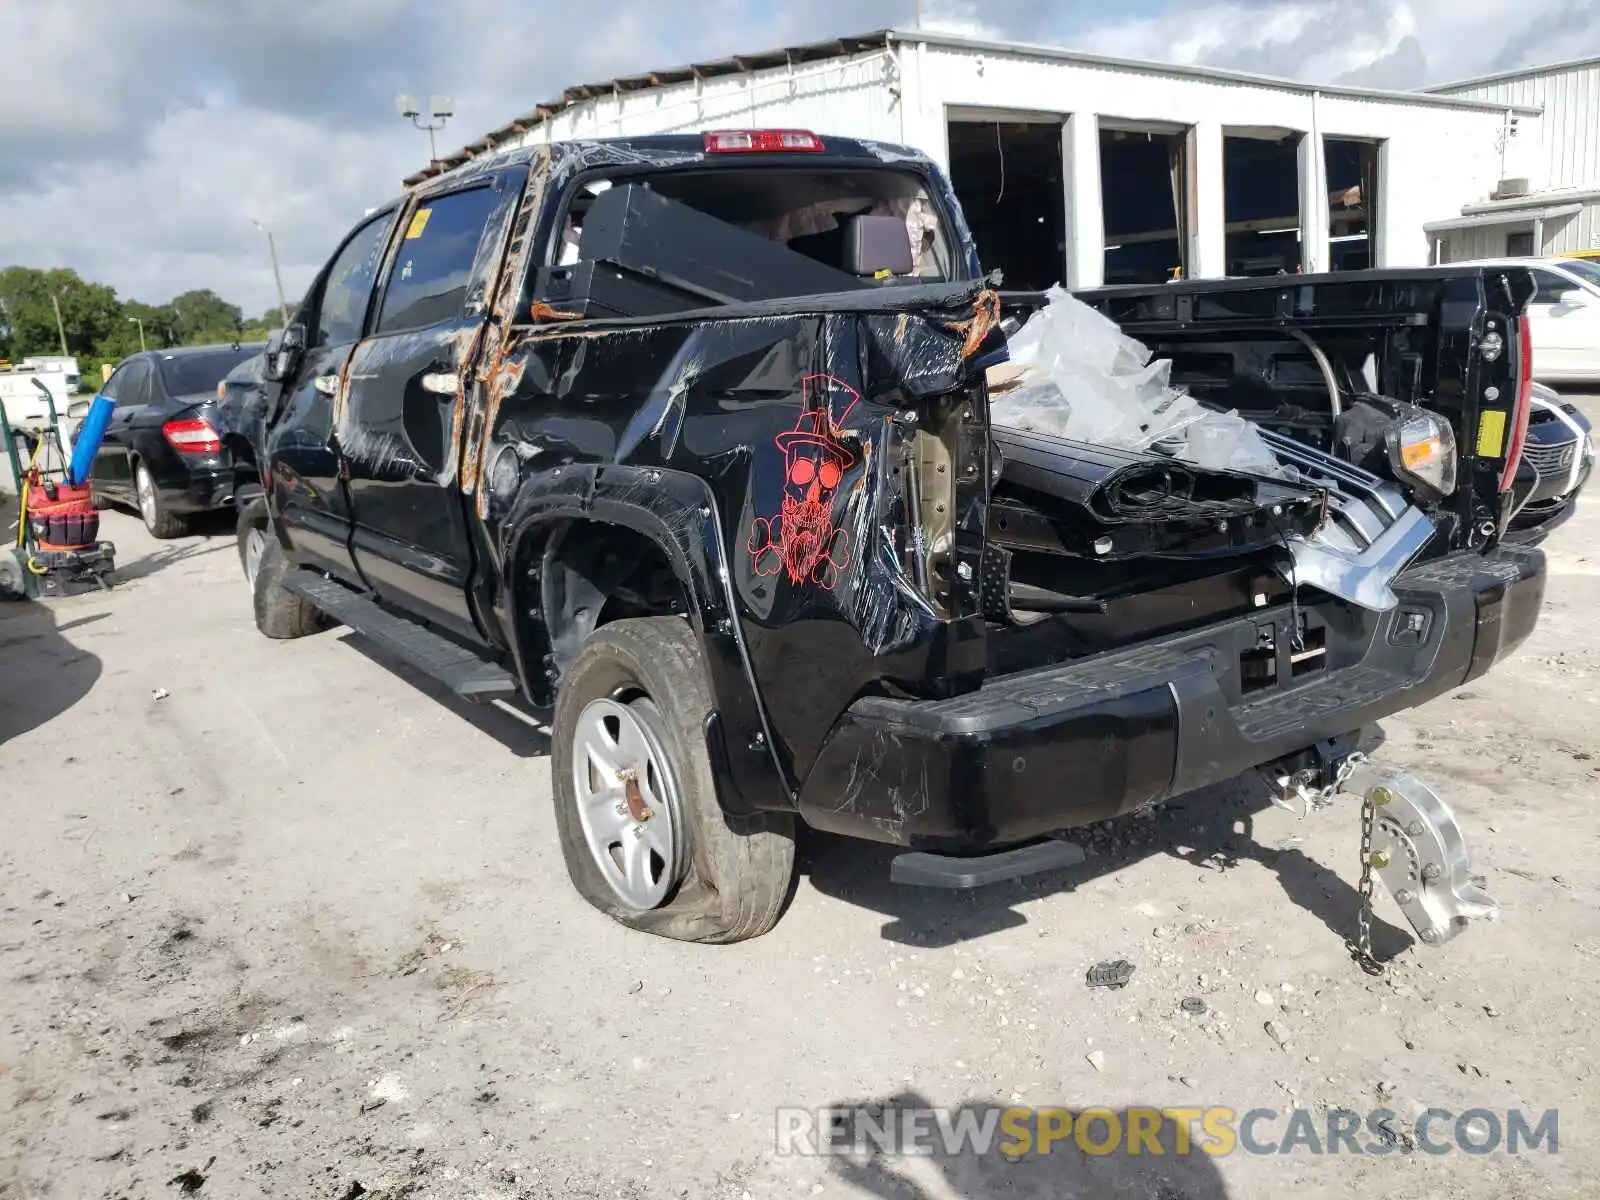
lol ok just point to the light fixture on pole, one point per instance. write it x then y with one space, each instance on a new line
440 109
277 275
140 323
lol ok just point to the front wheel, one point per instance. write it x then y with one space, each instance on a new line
280 613
252 533
643 836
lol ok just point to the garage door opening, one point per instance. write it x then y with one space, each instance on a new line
1261 201
1352 202
1145 199
1007 175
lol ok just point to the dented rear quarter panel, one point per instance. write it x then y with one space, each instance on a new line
689 429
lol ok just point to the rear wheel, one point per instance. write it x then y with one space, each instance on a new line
157 519
643 836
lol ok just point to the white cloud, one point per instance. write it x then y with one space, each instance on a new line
154 131
1327 40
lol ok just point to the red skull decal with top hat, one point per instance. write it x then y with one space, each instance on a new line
802 541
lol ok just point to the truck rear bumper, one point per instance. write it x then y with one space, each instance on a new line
1046 750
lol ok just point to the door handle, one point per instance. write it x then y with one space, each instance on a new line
328 383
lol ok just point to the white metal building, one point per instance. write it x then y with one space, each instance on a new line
1549 201
1091 169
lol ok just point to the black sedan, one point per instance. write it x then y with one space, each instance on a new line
1556 462
163 451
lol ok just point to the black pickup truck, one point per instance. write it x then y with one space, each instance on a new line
685 442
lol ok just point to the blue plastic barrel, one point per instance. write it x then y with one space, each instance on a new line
90 434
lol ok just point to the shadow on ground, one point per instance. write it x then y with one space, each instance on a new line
42 674
1210 830
215 531
517 730
168 556
1102 1164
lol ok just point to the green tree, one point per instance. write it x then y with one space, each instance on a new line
102 330
89 311
202 317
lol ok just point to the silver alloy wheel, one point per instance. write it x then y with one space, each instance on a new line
146 488
255 545
628 799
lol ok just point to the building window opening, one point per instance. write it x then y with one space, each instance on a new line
1145 201
1352 168
1008 178
1261 202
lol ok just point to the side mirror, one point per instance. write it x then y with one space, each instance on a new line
78 410
1572 296
283 353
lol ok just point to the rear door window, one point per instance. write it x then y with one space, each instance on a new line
131 383
345 296
432 267
1548 284
191 374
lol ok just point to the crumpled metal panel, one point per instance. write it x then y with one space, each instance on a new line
800 415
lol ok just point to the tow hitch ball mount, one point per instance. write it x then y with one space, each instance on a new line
1417 847
1410 839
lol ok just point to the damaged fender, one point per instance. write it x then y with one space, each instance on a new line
676 512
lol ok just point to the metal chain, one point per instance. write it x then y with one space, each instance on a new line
1361 948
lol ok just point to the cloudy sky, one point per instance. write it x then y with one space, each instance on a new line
140 137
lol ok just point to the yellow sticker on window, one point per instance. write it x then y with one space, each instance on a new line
1492 433
419 222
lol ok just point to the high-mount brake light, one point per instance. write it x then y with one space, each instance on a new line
762 141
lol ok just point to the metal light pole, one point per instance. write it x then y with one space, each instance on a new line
61 329
439 109
277 275
140 323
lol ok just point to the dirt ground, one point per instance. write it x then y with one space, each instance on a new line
277 921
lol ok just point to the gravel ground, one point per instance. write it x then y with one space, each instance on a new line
275 920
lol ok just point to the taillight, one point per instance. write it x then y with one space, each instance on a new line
1519 417
192 435
762 141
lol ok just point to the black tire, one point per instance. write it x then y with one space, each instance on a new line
738 871
161 522
279 612
253 523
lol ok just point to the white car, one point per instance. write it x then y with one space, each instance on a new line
1565 317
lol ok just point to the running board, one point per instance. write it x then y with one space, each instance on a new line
453 665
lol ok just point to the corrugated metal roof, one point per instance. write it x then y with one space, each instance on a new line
1555 68
1186 71
732 65
882 39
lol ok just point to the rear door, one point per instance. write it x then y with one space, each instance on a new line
130 387
402 433
303 454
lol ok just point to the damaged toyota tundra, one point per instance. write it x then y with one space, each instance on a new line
720 453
